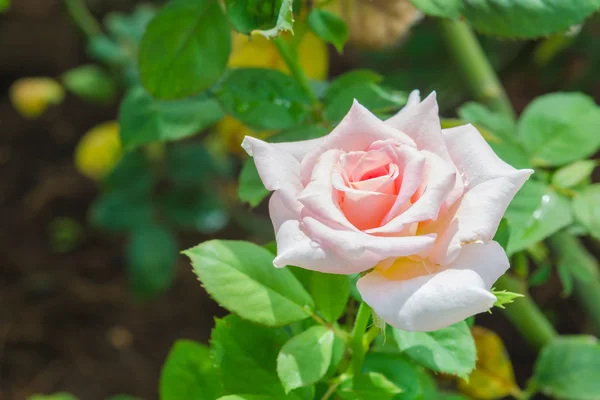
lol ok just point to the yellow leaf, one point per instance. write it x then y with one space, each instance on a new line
257 51
31 97
493 377
99 150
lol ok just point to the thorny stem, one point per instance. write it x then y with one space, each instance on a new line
83 18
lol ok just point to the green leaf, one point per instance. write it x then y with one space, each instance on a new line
503 297
55 396
251 188
352 78
151 260
536 212
305 358
560 128
246 397
189 373
123 397
566 279
574 174
4 5
399 370
526 18
242 278
369 386
331 293
284 22
263 98
246 355
567 368
191 164
372 96
586 207
541 275
248 15
498 130
439 8
194 208
144 119
91 82
328 27
450 350
185 49
121 211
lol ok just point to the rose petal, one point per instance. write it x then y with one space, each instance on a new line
434 301
357 131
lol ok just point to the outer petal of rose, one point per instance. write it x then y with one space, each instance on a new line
421 122
355 244
490 184
357 131
473 157
434 301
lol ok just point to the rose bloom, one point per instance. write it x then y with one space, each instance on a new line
416 205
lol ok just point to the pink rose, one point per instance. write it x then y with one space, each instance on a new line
418 204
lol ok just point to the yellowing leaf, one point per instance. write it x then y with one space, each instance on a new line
99 150
32 96
257 51
493 377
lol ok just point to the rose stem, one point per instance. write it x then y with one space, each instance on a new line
525 315
470 57
291 60
357 344
83 18
586 291
486 87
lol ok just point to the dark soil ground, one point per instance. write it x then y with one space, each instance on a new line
67 321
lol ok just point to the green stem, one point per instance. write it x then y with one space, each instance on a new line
571 251
525 314
357 344
83 18
291 60
478 71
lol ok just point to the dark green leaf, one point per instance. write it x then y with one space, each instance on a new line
189 373
536 212
246 397
305 358
399 370
526 18
372 96
248 15
541 275
567 368
4 5
586 207
121 211
193 208
369 386
55 396
151 260
91 82
246 355
191 164
242 278
352 78
566 279
450 350
284 20
328 27
144 119
185 49
331 293
574 174
263 98
503 233
560 128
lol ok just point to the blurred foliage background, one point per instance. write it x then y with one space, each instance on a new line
84 306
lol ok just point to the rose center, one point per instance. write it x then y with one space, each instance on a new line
375 173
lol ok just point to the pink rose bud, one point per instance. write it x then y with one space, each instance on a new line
416 204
